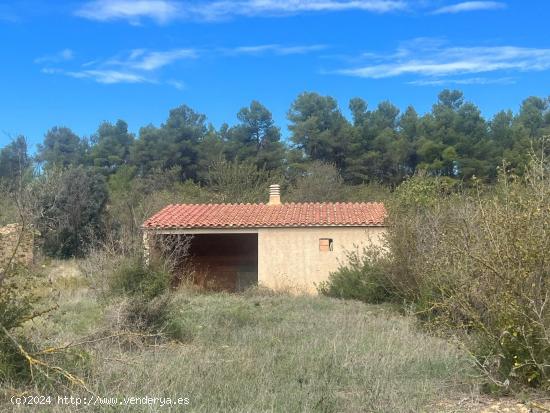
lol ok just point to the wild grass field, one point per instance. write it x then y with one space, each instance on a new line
254 352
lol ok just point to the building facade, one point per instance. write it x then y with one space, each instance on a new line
292 246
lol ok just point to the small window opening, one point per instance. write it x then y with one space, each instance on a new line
325 244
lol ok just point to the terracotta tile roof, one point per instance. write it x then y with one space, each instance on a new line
264 216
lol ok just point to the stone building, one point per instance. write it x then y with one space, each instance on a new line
277 245
10 239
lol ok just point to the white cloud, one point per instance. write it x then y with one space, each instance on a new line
465 81
471 6
438 61
133 11
141 59
135 66
108 76
61 56
224 9
163 11
143 65
51 71
275 49
179 85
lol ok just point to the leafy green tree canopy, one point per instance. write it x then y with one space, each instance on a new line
319 128
256 138
111 146
14 159
61 148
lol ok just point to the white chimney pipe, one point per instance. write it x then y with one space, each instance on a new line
274 195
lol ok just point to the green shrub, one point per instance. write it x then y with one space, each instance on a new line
147 314
477 263
147 305
492 276
473 263
133 277
17 304
362 278
233 182
179 329
417 209
69 206
317 182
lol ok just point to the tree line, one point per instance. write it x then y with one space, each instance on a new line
82 191
380 145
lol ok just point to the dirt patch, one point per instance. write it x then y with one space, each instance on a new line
485 404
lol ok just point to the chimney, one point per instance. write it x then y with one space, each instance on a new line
274 195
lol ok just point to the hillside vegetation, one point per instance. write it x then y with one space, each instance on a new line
256 351
466 257
469 263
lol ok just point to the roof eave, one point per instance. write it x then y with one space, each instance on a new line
227 227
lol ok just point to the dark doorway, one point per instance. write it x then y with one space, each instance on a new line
225 261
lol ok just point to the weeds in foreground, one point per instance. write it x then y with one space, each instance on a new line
261 351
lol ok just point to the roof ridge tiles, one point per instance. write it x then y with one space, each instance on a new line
252 215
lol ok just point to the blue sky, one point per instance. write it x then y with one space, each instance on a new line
77 63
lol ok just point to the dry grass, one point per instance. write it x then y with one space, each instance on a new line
259 352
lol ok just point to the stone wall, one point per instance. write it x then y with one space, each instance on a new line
9 237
